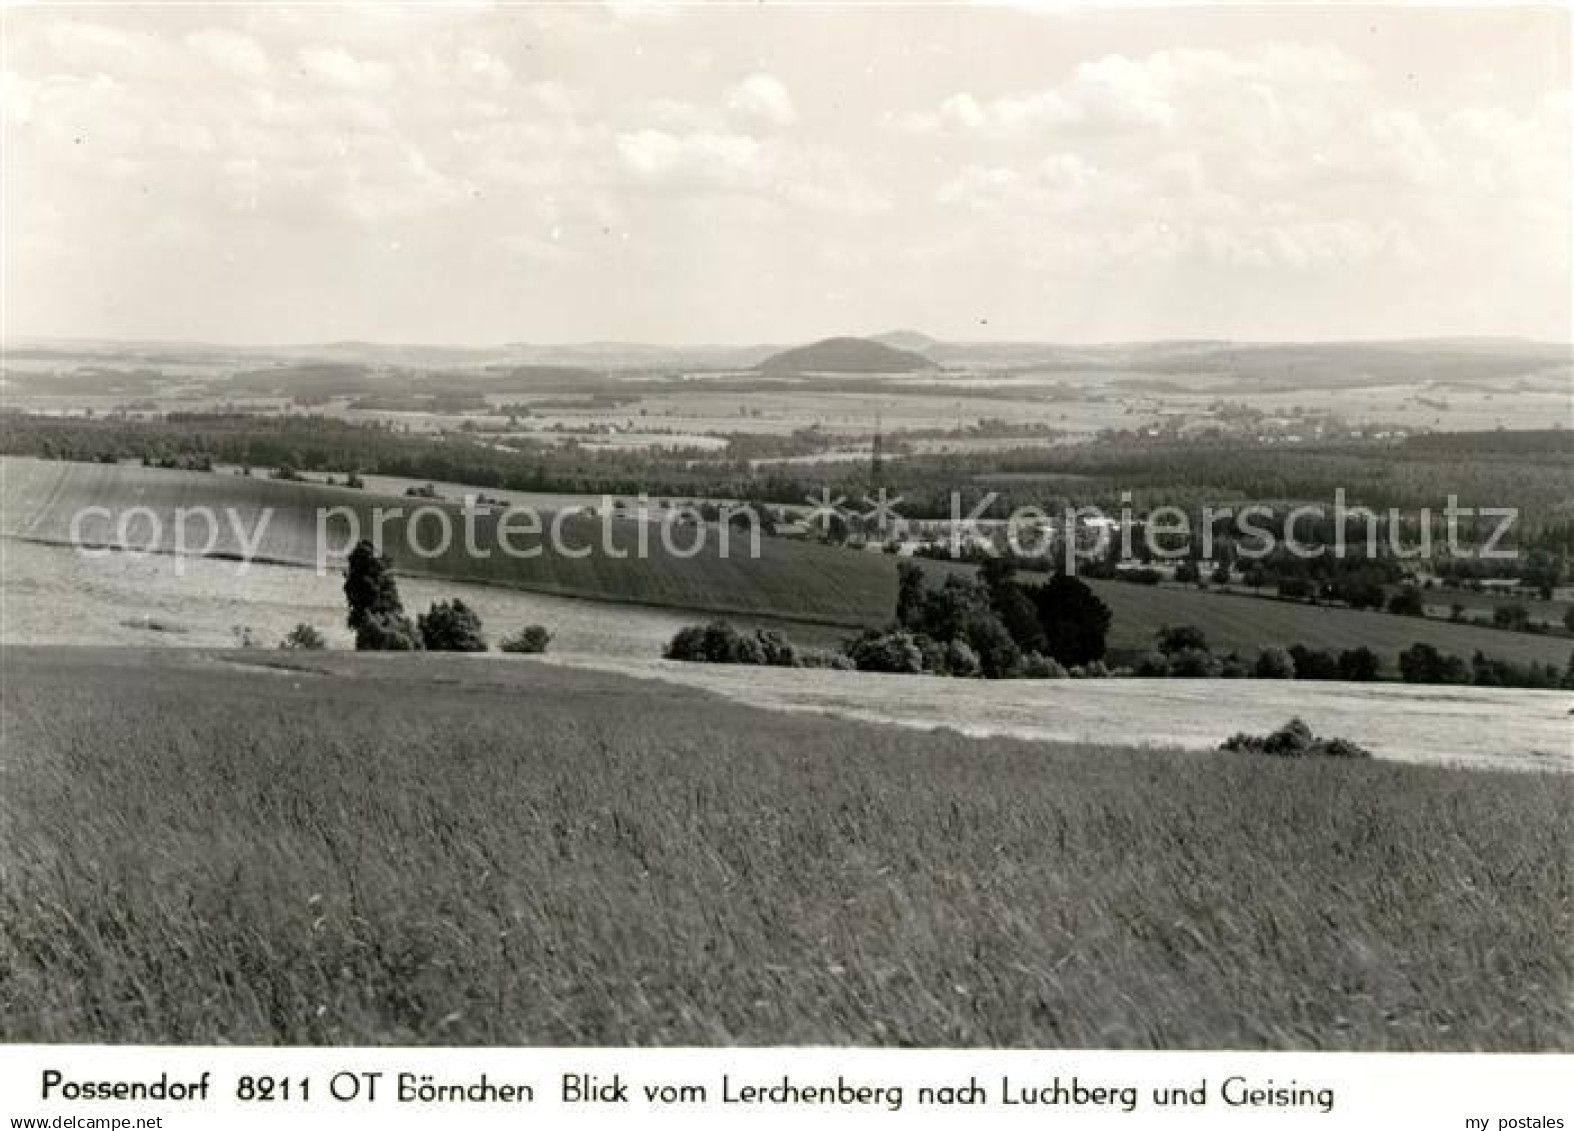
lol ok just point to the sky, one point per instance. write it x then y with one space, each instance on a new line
481 174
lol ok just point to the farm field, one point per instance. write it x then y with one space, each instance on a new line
1479 606
1247 623
445 850
820 590
799 581
54 596
1476 727
1429 391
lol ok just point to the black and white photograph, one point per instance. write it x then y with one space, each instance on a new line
781 526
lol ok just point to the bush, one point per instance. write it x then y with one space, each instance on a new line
451 626
1422 663
720 643
1342 748
687 644
1359 665
531 639
960 660
1314 664
777 649
1234 666
1295 740
1487 672
1181 638
1406 603
894 651
715 643
824 658
988 639
1195 663
303 638
386 632
1036 665
1274 663
1152 664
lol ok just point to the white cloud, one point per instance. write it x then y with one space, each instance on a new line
1283 157
337 67
762 98
1115 93
568 153
236 54
696 159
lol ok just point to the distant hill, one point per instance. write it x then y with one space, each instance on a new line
1249 365
906 340
846 355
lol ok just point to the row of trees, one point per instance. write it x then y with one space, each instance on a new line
1183 651
990 625
1423 663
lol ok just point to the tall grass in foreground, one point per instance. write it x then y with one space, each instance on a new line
447 850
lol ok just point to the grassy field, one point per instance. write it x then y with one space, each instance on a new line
206 847
792 581
1492 728
1234 620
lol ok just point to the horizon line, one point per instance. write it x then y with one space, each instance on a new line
11 340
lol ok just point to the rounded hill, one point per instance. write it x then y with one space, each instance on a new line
846 355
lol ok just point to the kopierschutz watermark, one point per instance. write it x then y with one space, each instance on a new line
642 527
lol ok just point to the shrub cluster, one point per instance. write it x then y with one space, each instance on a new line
1423 663
451 626
1295 740
386 632
720 643
303 638
991 626
531 639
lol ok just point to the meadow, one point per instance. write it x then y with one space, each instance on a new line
232 847
1234 620
795 580
1492 728
815 591
52 595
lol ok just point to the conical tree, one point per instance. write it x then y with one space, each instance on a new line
369 585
